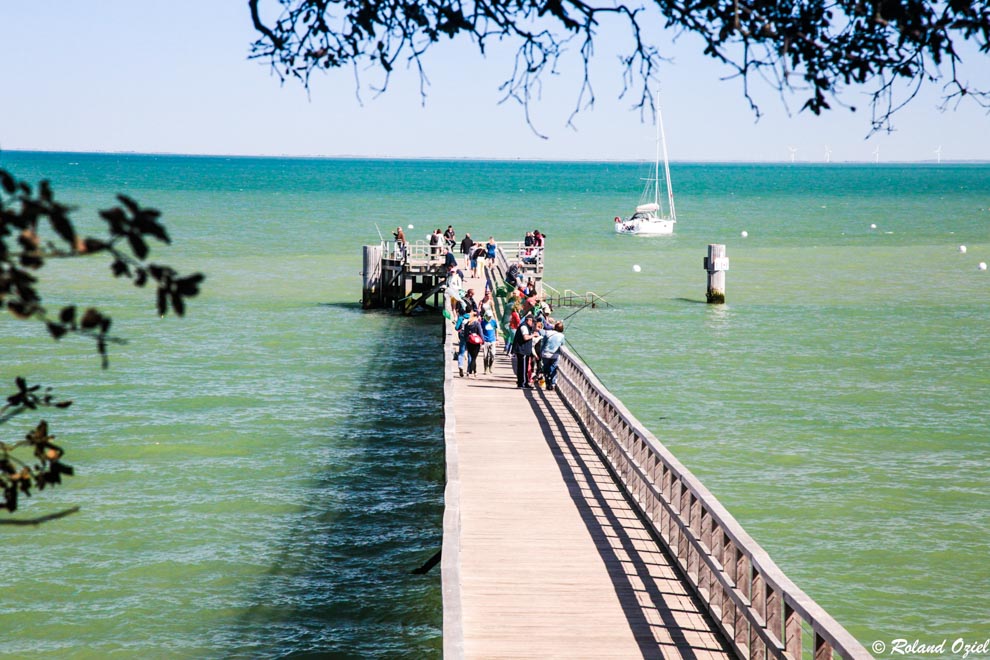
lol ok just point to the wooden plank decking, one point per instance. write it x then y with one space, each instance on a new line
553 562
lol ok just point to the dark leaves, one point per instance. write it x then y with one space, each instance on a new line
25 395
17 476
8 182
134 223
119 267
56 330
172 289
129 227
189 286
138 246
68 314
22 219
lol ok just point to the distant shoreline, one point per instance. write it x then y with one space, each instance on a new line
482 159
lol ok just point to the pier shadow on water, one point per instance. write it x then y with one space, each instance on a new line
342 585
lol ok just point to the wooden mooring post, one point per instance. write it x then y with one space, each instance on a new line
716 263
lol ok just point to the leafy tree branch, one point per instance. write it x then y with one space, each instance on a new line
34 228
815 49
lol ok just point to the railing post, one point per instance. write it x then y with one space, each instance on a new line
742 585
693 524
757 649
792 632
775 622
823 650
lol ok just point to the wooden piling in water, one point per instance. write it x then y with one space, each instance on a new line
716 263
371 276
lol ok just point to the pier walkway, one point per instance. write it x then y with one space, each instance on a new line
553 560
571 531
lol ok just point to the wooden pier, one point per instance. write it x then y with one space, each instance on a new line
570 531
411 276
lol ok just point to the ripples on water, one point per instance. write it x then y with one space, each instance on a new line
259 478
260 488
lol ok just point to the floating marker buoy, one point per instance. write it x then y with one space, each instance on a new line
962 248
983 265
873 226
636 268
410 226
744 233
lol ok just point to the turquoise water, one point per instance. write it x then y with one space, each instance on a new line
261 477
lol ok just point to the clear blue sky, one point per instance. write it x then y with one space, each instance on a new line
173 76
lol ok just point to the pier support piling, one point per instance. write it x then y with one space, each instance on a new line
371 276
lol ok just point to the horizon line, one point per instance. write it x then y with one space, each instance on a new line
786 161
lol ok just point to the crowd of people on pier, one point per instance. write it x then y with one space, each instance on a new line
443 243
532 337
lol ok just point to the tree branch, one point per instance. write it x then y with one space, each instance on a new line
39 520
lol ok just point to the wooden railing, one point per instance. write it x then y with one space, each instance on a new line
761 612
415 251
530 260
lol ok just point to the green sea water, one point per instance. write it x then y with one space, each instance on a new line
260 478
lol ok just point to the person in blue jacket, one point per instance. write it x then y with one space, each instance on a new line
489 329
552 341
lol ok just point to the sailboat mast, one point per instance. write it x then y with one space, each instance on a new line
656 164
666 166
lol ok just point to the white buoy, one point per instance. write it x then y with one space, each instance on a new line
636 268
744 233
962 248
873 226
410 226
983 265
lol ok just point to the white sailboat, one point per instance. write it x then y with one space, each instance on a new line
650 219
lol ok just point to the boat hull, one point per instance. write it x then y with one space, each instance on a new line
656 227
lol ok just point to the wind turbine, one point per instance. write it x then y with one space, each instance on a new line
793 151
938 154
828 154
876 154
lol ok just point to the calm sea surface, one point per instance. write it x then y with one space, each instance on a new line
260 478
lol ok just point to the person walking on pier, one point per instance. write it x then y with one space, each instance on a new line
522 350
436 242
470 304
477 253
490 251
489 333
473 334
552 342
459 326
467 247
